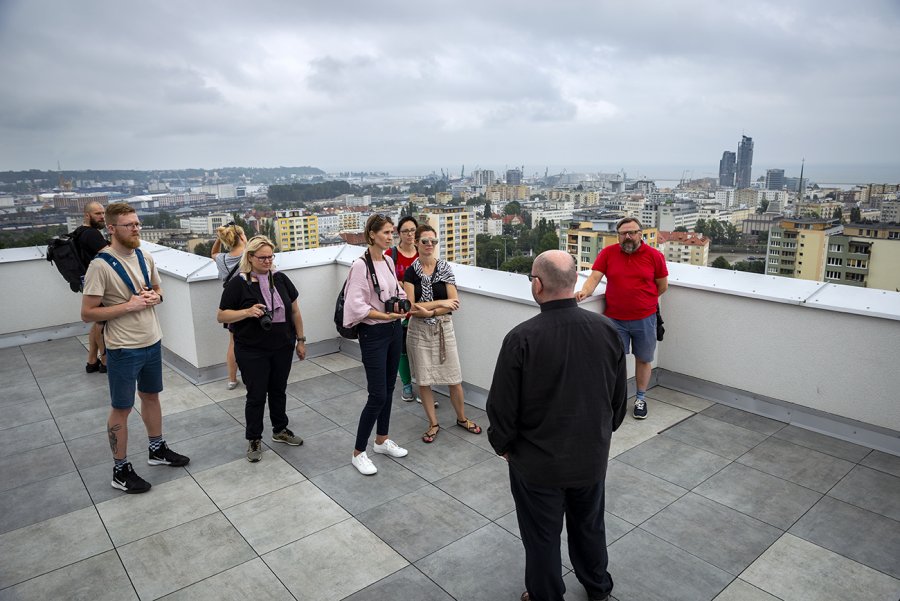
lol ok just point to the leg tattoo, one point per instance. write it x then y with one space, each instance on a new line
113 437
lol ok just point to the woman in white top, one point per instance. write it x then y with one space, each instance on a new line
233 238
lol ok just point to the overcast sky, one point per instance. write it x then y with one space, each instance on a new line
415 86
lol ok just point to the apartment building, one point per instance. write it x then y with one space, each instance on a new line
684 247
296 230
866 255
798 247
455 227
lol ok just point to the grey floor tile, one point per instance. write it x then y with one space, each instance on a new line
616 528
336 362
315 568
304 370
24 412
283 516
130 517
739 590
34 466
629 435
305 422
78 399
715 436
744 419
421 522
185 554
192 423
759 495
635 495
510 523
660 415
250 580
713 532
821 442
357 493
236 408
576 592
679 399
214 449
860 535
800 465
795 569
321 388
487 565
98 478
483 487
870 489
343 410
674 461
321 453
240 480
676 574
30 436
444 457
883 462
21 388
51 544
93 449
357 375
83 423
99 578
39 501
408 584
218 390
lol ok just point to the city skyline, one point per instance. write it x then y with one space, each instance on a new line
411 89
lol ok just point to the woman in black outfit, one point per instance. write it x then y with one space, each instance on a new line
261 303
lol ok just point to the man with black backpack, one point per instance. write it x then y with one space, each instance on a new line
122 288
89 241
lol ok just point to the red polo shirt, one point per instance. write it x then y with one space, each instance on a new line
631 280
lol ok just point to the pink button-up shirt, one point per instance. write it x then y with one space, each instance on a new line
360 297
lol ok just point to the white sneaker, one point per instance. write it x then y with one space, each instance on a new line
389 447
232 385
365 466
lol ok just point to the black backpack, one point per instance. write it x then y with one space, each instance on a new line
65 252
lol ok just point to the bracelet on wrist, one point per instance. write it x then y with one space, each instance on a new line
301 339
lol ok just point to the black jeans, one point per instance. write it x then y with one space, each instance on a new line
265 373
379 346
540 513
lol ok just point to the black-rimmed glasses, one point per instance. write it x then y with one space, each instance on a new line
531 277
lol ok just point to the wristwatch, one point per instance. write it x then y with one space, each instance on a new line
301 339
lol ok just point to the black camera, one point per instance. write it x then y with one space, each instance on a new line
265 320
397 305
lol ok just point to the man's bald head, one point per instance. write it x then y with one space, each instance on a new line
557 274
95 215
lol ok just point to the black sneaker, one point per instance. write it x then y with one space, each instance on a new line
101 368
640 409
92 367
166 456
125 479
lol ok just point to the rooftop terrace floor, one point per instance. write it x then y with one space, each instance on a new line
703 501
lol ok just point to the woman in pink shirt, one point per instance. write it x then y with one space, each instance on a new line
380 337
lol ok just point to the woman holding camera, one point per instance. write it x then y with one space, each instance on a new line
380 337
432 341
261 304
232 237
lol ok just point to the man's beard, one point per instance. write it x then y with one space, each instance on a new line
97 225
128 241
629 246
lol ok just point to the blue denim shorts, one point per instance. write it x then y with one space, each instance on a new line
127 367
638 335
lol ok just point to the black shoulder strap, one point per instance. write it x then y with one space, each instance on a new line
233 269
370 267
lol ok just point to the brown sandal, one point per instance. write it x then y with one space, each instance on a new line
429 436
469 425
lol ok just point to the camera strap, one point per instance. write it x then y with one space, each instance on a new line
372 275
271 291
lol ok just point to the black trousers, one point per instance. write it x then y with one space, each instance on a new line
540 513
379 346
265 373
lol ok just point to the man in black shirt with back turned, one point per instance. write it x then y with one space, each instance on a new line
90 241
558 393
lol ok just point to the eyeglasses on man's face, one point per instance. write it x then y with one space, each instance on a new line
630 234
428 241
132 226
532 277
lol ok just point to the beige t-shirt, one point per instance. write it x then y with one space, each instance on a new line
132 330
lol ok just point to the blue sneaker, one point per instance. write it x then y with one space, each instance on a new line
407 394
640 409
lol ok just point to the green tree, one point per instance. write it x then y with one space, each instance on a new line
732 234
520 264
750 266
550 241
855 215
487 210
721 263
700 227
838 214
763 206
204 248
513 208
763 237
680 228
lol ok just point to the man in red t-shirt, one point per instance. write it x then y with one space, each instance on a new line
636 276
